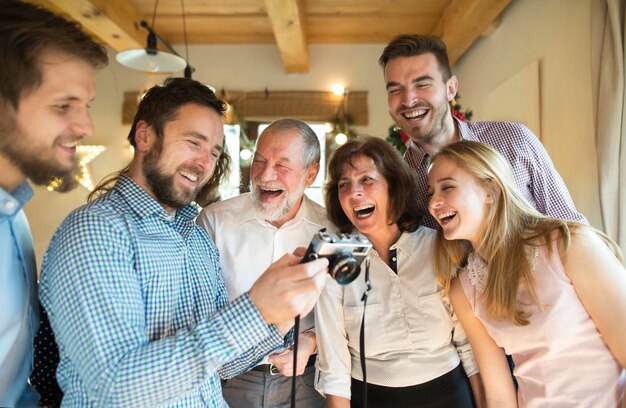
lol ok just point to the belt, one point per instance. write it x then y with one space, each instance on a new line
273 370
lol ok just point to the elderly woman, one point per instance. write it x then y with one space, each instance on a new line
413 344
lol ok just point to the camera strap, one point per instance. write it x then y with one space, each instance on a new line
296 335
368 287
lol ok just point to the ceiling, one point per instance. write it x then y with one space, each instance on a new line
290 24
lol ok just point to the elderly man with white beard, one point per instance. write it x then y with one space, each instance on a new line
254 229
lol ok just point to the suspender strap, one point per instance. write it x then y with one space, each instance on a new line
368 287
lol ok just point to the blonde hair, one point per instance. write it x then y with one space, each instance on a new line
513 226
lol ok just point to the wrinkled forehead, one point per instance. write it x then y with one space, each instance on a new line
358 163
285 145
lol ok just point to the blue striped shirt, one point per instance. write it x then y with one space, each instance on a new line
139 309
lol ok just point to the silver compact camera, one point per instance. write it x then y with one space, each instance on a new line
345 253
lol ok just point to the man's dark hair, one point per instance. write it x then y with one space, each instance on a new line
160 105
408 45
28 32
401 182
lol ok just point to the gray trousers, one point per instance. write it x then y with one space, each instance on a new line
260 390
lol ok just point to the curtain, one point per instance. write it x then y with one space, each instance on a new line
607 48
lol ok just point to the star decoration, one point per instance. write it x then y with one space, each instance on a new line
85 154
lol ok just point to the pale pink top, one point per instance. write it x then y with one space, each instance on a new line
560 357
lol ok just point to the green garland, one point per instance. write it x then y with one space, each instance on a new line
395 139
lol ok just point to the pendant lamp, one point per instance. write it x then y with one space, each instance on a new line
151 59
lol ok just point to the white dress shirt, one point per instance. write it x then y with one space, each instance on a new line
411 333
248 245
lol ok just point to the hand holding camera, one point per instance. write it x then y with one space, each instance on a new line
345 253
287 289
290 286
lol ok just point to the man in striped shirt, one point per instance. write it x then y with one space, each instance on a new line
420 86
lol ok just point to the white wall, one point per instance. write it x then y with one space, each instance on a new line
555 31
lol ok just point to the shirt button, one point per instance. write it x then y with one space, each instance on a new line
393 259
10 206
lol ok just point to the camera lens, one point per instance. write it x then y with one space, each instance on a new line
344 269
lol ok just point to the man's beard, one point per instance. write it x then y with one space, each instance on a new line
279 210
437 126
162 185
31 158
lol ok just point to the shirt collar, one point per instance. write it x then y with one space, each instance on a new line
421 157
417 153
143 204
464 131
406 244
11 203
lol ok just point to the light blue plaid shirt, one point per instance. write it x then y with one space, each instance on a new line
139 309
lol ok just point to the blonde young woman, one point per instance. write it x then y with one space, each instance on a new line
551 293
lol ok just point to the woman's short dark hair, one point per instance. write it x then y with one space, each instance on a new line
402 185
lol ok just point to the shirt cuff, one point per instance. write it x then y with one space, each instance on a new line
467 359
334 384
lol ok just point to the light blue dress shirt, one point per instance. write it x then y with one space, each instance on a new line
139 309
19 310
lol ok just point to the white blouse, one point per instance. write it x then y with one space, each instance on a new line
411 333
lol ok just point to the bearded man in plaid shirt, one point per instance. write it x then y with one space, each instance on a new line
132 285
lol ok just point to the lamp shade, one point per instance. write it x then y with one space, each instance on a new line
159 61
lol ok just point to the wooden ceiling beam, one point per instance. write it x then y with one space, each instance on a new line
288 25
114 22
463 21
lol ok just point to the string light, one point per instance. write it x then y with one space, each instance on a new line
85 154
341 138
88 153
338 89
54 184
245 154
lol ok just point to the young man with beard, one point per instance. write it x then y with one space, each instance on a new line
420 86
132 284
47 73
254 229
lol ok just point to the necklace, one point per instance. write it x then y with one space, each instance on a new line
477 269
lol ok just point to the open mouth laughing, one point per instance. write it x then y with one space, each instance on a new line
364 211
188 175
269 191
415 114
445 217
69 146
